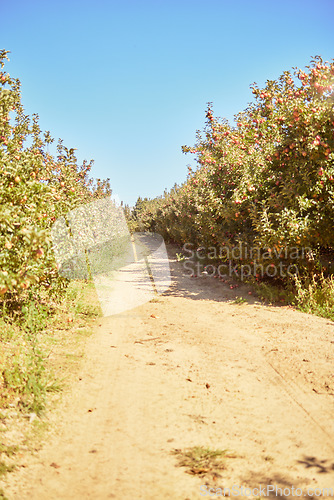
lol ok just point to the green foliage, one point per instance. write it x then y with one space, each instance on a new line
316 295
27 375
267 182
240 300
201 460
269 179
274 293
23 372
36 189
86 309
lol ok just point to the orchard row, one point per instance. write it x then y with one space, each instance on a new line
267 181
36 188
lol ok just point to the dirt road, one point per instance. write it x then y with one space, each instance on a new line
193 368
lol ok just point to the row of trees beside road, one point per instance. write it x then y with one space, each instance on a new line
266 182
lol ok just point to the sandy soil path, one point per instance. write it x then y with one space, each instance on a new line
193 369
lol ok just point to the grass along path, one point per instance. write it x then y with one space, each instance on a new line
39 360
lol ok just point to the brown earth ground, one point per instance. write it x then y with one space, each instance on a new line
192 368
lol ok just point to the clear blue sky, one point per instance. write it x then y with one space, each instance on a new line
127 82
